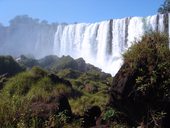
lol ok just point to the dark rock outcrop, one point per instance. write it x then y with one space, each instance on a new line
90 116
122 94
141 89
3 79
138 107
64 105
9 65
55 105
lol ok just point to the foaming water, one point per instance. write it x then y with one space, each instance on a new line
103 43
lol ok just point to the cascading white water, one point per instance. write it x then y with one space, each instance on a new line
103 43
100 44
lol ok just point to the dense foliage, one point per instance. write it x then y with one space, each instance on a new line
32 99
151 57
165 8
141 88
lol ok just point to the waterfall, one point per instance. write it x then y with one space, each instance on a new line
103 43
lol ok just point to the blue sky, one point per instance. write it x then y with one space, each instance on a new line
71 11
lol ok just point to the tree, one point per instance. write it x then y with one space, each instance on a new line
165 8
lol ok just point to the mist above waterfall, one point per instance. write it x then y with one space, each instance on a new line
100 44
25 35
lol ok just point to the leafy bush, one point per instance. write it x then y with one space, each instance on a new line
110 113
144 81
151 57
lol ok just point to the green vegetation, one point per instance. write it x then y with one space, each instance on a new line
69 73
165 8
145 81
65 62
23 96
30 98
87 100
54 63
151 57
86 80
93 86
60 96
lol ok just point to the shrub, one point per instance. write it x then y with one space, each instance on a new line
142 85
29 98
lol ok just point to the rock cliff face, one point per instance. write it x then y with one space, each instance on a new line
123 97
